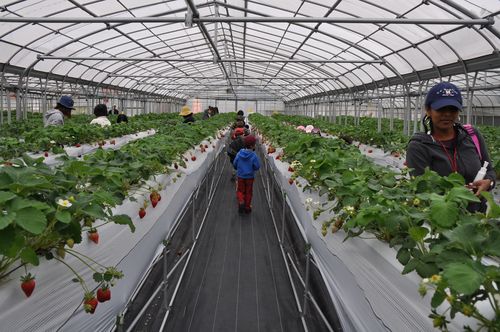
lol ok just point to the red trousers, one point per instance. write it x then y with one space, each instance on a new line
244 192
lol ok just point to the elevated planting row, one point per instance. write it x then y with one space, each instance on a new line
30 135
48 211
393 142
424 219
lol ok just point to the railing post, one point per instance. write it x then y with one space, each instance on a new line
306 285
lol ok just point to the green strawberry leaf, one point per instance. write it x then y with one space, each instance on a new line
28 255
463 277
444 214
63 216
6 219
32 220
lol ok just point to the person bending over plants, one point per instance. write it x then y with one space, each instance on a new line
447 146
63 109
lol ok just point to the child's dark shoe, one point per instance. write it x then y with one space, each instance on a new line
241 208
248 210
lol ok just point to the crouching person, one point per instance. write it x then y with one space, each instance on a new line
246 163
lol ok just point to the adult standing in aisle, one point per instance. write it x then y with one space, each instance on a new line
446 146
56 116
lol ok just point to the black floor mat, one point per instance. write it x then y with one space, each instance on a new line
237 279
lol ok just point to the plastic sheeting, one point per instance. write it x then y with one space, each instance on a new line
55 304
73 151
363 276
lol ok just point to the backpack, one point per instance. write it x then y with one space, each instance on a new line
472 133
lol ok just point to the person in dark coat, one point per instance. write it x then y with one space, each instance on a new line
187 114
122 117
446 146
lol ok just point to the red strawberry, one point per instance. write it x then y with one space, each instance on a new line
28 284
46 154
206 146
370 151
78 145
113 142
290 169
142 213
278 157
290 180
154 202
90 303
405 163
94 236
193 158
176 166
103 294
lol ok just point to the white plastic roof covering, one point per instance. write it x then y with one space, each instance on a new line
403 48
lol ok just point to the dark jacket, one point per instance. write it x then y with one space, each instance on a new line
189 118
235 146
122 118
423 151
246 163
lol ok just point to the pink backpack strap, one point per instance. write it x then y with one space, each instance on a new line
472 134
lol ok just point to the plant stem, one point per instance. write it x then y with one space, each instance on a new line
87 257
84 286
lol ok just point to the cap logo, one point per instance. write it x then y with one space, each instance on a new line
447 92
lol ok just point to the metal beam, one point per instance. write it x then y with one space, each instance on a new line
51 57
324 78
208 84
249 19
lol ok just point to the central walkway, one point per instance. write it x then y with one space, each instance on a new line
237 279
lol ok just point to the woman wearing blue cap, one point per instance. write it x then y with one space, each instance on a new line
56 116
446 146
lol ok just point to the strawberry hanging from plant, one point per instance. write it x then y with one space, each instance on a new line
90 303
93 235
28 284
103 294
142 213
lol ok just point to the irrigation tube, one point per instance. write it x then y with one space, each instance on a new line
297 301
189 256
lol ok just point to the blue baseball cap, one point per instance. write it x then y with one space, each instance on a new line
444 94
67 102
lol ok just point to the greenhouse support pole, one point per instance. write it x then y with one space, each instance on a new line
379 116
1 102
19 110
9 106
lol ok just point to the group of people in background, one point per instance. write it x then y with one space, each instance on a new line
65 105
445 147
188 116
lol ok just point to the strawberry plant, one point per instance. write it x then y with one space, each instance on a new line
425 219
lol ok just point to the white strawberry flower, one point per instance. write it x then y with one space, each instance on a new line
64 203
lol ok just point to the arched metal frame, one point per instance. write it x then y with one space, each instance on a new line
305 35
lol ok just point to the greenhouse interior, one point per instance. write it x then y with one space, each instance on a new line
249 165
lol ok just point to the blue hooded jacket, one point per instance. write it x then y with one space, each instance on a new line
246 163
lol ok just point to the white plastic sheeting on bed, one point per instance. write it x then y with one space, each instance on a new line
55 305
363 275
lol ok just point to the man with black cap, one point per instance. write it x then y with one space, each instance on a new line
56 116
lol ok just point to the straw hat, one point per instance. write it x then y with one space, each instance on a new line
185 111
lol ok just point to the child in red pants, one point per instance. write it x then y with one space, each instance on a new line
246 163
